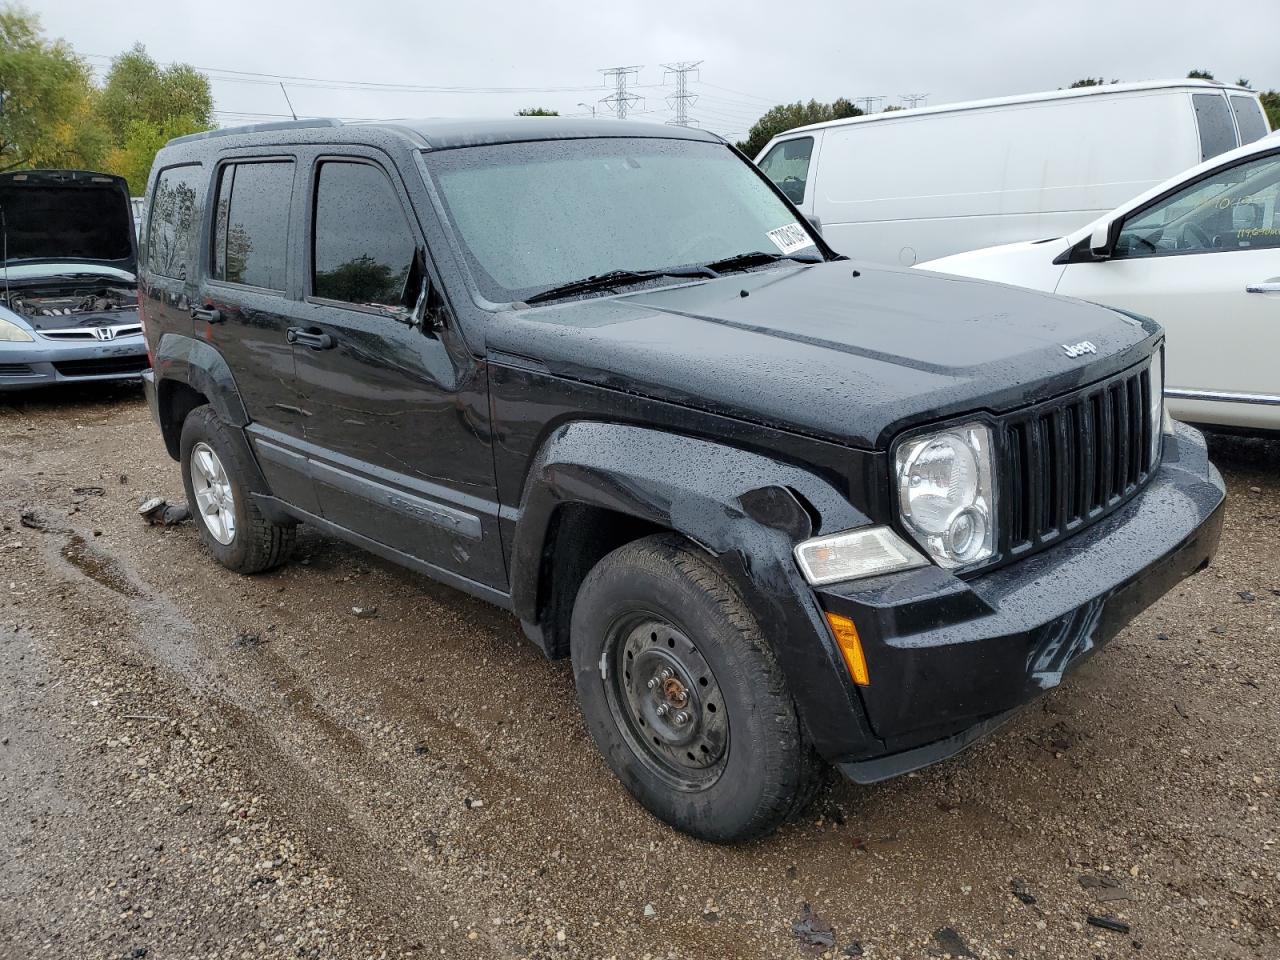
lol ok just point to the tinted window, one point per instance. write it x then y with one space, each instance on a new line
363 248
1230 209
1249 118
252 228
787 165
1213 117
175 206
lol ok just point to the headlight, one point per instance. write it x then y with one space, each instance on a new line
1160 422
856 553
12 333
946 492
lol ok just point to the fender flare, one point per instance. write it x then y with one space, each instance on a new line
200 366
744 508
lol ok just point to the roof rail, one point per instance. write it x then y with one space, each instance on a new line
259 128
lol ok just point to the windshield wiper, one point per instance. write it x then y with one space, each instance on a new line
613 279
757 258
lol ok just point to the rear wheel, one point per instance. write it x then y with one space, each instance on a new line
216 474
683 697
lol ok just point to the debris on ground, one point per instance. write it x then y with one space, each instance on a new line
152 508
175 514
32 520
948 941
1023 892
812 931
1104 889
649 911
364 613
1107 923
247 638
89 491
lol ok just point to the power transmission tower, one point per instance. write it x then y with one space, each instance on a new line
914 99
620 100
682 99
868 103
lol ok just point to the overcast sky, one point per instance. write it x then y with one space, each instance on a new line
753 55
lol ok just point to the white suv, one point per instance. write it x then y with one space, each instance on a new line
1200 254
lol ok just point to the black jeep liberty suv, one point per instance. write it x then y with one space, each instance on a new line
782 509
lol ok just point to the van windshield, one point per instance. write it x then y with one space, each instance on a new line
534 216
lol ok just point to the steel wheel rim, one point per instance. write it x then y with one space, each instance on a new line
666 701
215 501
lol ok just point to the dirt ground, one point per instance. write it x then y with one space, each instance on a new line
197 764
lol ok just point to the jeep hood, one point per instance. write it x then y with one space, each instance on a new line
842 351
62 216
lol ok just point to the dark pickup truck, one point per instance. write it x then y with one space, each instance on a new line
784 510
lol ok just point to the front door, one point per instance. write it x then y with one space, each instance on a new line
396 414
244 311
1205 263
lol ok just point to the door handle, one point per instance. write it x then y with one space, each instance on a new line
310 338
1266 286
207 314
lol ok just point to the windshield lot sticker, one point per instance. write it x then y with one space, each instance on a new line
789 238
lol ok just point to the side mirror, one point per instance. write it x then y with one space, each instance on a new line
1102 242
815 222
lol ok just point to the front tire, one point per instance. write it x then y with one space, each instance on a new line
215 473
683 696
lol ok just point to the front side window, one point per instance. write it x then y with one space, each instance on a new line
787 165
1249 118
1230 209
251 230
532 216
363 249
1213 118
175 213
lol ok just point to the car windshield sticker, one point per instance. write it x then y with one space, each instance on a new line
790 237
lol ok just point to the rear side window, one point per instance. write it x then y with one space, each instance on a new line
251 230
787 165
1249 118
175 214
363 248
1213 118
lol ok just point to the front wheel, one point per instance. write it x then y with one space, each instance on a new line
683 697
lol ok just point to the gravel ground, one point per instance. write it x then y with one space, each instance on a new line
196 764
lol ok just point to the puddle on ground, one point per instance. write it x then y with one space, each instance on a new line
98 567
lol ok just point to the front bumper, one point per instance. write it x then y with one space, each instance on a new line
950 659
46 361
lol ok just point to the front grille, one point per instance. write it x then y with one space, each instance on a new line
15 370
1070 461
102 366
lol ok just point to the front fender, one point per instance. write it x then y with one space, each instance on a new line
744 508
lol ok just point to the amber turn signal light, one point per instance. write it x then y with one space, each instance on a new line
850 645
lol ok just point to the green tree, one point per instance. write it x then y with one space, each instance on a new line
537 112
1271 104
1090 82
788 116
47 99
1199 75
143 105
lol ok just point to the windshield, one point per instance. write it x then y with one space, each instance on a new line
533 216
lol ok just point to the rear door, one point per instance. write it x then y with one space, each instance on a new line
397 413
1204 261
245 306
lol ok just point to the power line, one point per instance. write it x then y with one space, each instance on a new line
868 103
620 100
682 99
914 99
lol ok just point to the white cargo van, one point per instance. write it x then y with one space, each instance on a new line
913 185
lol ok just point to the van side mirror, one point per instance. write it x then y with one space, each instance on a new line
815 222
1102 242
